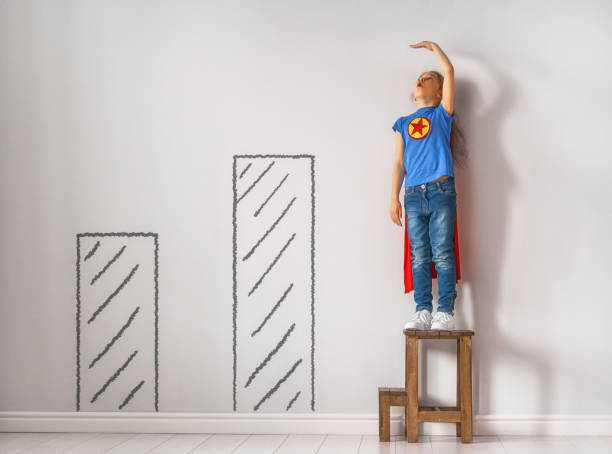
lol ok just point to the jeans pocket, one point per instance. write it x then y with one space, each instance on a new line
411 201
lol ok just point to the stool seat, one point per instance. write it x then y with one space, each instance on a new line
438 333
461 414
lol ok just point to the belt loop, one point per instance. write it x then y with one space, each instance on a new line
439 186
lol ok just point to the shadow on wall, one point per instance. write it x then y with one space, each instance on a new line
484 188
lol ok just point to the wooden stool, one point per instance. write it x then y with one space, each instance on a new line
461 414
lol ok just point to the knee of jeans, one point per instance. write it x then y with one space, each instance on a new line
421 254
444 257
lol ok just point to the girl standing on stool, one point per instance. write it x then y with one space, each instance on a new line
423 155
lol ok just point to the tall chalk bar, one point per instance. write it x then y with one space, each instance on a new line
273 283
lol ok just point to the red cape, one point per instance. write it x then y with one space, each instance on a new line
408 285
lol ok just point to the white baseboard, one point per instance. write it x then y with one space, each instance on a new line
291 423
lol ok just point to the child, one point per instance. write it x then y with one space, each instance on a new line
423 156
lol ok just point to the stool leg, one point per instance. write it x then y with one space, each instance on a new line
384 417
412 389
466 389
458 384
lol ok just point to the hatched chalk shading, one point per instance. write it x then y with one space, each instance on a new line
117 322
273 283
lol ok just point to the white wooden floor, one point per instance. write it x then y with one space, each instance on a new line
115 443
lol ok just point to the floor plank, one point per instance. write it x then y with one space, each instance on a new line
301 444
100 443
61 443
220 444
263 443
520 444
371 445
26 440
448 444
340 444
139 444
590 445
180 443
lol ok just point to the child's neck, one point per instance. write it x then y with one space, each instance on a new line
431 102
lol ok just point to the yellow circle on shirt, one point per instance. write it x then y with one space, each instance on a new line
419 128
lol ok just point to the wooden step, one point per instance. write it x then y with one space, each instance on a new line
396 396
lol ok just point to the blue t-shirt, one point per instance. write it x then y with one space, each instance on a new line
427 153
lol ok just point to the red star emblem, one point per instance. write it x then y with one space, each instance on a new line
419 128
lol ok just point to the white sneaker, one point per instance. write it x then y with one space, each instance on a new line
443 320
420 320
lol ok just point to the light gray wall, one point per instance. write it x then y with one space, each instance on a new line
125 117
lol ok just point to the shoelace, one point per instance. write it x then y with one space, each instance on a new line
421 315
443 316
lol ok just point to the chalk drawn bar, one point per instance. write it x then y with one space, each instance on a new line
117 322
273 277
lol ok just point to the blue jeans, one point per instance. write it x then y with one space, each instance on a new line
431 210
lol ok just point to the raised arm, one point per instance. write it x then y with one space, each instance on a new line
448 87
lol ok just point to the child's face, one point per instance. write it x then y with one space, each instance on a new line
426 86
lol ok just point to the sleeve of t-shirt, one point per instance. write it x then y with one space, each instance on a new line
446 115
397 126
